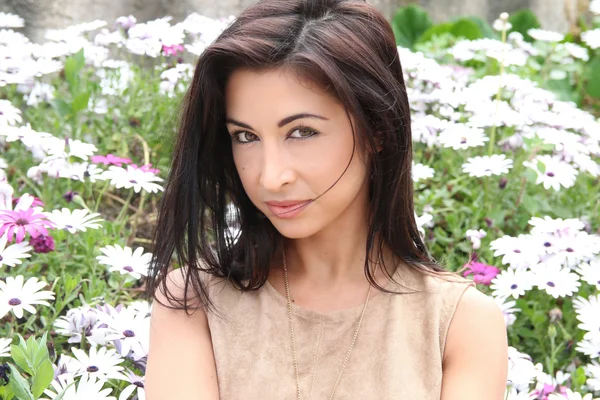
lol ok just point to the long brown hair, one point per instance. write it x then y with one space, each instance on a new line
346 46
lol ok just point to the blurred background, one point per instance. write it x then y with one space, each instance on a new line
557 15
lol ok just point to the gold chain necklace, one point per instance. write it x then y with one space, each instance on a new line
289 301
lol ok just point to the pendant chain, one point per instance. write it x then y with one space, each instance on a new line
295 360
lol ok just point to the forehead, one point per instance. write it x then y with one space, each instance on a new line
275 93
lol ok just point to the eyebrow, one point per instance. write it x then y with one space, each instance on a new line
281 123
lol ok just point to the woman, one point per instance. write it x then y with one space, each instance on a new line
289 206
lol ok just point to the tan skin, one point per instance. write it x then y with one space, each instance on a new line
323 244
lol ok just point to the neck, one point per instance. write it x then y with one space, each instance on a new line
327 264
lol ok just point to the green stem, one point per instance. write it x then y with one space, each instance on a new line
106 185
125 206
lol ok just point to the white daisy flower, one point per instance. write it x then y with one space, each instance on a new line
25 134
9 114
66 148
556 226
460 136
508 309
516 252
475 237
420 171
3 163
590 273
88 389
5 347
79 321
555 172
141 306
521 370
512 282
592 38
73 221
136 385
425 220
556 281
132 177
588 313
577 51
590 346
8 20
577 248
82 172
17 297
545 36
13 254
128 328
513 394
101 363
125 260
593 372
479 166
570 395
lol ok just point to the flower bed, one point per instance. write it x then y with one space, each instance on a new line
506 188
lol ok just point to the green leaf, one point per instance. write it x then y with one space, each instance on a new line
19 385
42 378
41 353
73 65
592 77
19 356
436 30
6 392
61 107
578 378
563 89
522 21
467 29
484 27
80 102
408 25
462 27
530 204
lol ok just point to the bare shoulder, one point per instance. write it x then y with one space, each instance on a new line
180 357
477 317
475 363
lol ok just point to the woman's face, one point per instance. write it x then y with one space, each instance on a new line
292 141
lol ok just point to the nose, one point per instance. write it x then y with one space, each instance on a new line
276 168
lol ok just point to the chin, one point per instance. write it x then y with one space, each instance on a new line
295 229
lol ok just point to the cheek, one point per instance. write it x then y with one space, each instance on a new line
245 170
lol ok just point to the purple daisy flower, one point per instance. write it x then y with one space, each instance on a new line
19 223
482 273
42 244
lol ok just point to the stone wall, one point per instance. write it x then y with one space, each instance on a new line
43 14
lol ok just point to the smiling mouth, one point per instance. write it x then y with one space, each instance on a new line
285 210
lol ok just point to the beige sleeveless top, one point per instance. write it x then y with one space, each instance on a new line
397 354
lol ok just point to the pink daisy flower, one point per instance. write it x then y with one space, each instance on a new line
110 159
35 203
482 273
19 223
173 49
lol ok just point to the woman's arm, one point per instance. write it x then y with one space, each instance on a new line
475 365
181 362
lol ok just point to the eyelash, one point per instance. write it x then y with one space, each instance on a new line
234 135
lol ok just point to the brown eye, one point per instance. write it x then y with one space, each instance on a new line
304 133
247 136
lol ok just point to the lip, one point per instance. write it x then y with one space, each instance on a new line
289 211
